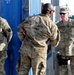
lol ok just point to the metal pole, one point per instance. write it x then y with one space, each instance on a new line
69 68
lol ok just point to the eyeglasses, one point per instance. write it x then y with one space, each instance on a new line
62 13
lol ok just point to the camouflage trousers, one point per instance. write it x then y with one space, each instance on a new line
63 70
3 56
38 65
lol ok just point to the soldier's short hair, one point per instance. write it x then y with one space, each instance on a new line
47 7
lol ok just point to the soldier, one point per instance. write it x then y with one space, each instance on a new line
34 32
66 45
5 37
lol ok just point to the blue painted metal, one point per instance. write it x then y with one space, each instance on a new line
30 72
30 7
25 9
12 14
34 7
1 7
14 11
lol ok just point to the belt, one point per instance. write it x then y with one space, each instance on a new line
67 57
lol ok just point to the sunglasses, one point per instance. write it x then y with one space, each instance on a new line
62 13
53 10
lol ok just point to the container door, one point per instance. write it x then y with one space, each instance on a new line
12 14
1 7
25 9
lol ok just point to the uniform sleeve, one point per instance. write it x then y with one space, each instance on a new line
6 30
21 34
22 29
55 35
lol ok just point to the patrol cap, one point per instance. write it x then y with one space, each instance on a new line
64 10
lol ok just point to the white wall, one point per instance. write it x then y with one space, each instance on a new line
46 1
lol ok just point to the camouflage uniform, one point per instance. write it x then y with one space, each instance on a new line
33 51
5 37
66 45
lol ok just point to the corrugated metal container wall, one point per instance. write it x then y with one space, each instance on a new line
15 11
1 7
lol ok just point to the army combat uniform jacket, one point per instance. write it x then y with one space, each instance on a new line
5 33
5 37
66 46
38 30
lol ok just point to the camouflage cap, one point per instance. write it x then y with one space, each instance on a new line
64 10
